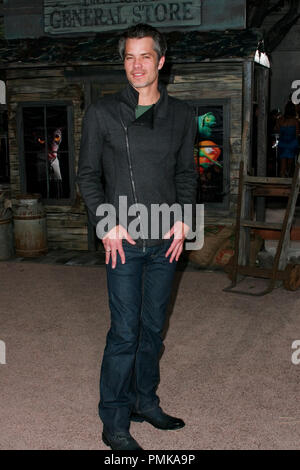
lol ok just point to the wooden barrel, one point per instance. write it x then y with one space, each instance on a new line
30 229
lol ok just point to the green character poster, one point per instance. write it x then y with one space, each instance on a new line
208 152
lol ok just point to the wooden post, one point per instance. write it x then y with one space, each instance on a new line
248 72
262 133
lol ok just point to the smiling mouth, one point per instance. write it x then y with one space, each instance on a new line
138 75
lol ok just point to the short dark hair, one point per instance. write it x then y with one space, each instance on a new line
143 30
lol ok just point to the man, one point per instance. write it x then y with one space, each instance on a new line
137 144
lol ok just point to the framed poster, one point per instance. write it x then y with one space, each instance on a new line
46 150
211 152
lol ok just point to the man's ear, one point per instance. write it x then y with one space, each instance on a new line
161 62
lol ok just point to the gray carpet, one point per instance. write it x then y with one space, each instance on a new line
226 369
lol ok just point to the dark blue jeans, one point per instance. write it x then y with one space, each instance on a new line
139 291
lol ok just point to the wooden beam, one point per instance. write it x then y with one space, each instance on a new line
262 132
268 180
262 225
248 73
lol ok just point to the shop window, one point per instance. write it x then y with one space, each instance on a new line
211 152
47 160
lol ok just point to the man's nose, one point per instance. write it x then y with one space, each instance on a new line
137 63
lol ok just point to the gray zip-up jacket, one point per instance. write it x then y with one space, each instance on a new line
149 160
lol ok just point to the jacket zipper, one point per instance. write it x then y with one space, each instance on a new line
132 182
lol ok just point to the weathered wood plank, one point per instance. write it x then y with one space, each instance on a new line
40 86
199 94
208 75
79 245
228 81
65 224
217 85
34 73
66 235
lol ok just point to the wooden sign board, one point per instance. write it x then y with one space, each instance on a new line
73 16
35 18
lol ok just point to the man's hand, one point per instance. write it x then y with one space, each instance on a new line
180 231
113 244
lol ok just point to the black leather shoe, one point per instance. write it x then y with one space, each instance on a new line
158 419
120 441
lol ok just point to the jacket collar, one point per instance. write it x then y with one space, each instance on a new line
130 97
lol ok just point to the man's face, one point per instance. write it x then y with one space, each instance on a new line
141 62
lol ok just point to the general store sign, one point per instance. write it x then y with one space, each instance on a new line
73 16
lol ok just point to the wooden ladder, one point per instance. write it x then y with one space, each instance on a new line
250 187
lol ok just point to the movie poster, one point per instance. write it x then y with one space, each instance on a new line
208 153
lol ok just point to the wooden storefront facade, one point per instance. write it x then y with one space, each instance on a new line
51 81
